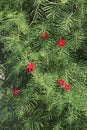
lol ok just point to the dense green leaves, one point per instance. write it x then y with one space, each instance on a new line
42 103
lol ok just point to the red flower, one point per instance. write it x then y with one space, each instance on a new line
61 42
66 87
44 35
61 82
30 67
15 91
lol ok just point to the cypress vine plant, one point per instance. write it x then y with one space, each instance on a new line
44 60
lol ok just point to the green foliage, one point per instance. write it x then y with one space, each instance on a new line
43 105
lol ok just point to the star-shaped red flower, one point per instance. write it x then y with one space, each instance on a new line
15 91
61 42
66 87
30 67
61 82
